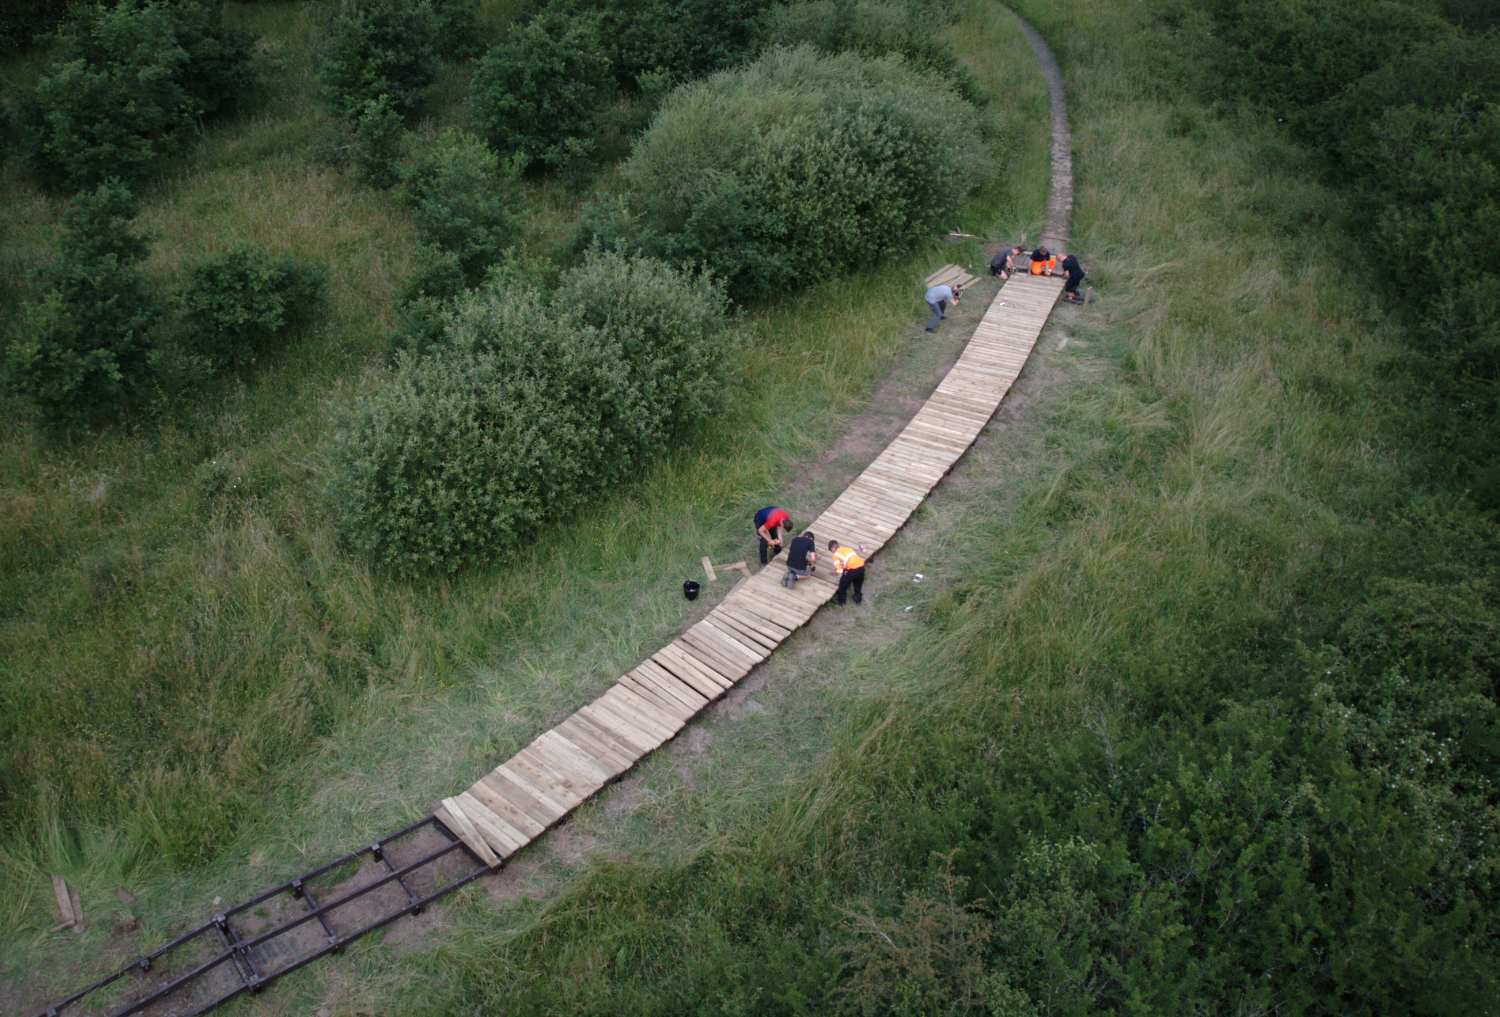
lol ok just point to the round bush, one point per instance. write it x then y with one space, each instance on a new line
527 408
804 163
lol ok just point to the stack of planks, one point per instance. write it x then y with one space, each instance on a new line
517 801
950 275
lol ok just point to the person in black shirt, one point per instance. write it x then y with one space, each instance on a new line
1075 275
801 557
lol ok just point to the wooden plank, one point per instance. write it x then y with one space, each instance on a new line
542 812
656 697
638 705
506 809
450 815
672 653
559 746
613 717
709 569
719 658
745 629
64 902
557 800
489 826
667 685
705 688
567 783
747 648
584 730
589 737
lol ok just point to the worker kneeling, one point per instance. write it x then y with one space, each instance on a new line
801 558
850 568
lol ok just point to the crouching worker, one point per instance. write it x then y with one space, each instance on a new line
850 568
1042 262
1075 274
1004 263
801 558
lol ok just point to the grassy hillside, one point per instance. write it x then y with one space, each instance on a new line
201 688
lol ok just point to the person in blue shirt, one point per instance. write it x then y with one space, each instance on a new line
938 298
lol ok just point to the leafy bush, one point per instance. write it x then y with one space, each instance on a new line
527 409
684 38
125 87
22 21
83 348
803 164
377 143
538 92
236 301
372 48
459 32
464 200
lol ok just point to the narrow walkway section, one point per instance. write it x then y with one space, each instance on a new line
516 802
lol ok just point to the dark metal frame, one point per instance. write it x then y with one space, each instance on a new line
236 949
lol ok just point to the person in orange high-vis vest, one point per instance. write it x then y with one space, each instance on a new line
1042 262
850 568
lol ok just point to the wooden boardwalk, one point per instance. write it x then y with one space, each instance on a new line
516 802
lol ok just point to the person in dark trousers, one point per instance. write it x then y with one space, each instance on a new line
770 526
1004 263
801 558
850 568
1075 275
938 298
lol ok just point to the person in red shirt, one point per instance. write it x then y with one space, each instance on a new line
771 525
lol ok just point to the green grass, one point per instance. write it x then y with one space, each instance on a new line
203 691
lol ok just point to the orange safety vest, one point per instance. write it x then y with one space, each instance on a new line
845 558
1038 267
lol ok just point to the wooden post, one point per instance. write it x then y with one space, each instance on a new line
708 567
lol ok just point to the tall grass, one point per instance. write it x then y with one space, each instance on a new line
196 674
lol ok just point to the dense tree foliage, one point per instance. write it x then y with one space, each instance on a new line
1403 104
375 48
83 347
126 87
798 165
538 93
237 301
527 408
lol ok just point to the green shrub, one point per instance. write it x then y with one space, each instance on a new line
537 94
802 164
457 27
526 409
125 87
83 348
237 301
465 202
22 21
377 143
372 48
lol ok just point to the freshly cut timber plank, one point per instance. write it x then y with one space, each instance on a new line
729 617
558 746
685 700
543 813
582 727
705 688
453 818
506 809
590 738
556 799
720 658
648 691
675 654
639 741
673 661
747 648
562 782
613 717
660 720
489 826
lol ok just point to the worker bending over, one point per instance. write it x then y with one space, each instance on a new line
770 525
850 568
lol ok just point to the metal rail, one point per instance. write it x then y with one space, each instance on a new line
246 947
